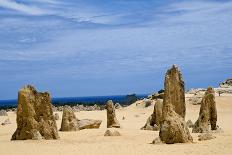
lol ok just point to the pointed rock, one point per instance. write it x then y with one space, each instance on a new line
69 120
174 91
207 114
112 121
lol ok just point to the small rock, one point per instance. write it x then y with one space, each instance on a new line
147 102
205 136
89 124
56 116
112 133
7 121
117 106
157 141
3 113
189 124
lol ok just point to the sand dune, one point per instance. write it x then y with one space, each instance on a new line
133 140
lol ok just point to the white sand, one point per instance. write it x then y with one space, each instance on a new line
132 142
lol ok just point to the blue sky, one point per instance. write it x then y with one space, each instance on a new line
106 47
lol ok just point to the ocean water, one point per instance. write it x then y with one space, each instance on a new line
90 100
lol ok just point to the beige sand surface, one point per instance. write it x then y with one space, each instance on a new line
132 142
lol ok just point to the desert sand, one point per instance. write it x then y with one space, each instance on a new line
133 140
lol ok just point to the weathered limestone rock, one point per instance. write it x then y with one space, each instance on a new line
34 115
3 113
112 133
189 124
208 113
153 122
173 127
174 91
56 116
69 120
205 136
112 121
117 106
89 124
7 121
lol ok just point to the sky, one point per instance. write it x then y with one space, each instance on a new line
110 47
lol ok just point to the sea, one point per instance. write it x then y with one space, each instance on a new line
88 100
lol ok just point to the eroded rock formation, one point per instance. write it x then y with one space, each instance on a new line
34 116
173 127
153 122
112 133
112 121
207 114
174 91
69 120
89 124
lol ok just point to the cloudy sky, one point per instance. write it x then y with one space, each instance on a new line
110 47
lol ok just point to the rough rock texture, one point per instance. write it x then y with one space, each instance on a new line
205 136
157 141
117 106
69 120
189 123
208 113
226 84
89 124
3 113
112 133
174 91
147 102
7 121
173 128
34 115
112 121
153 122
56 116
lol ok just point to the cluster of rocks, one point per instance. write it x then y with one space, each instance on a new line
157 95
7 121
71 123
3 113
80 107
35 119
226 84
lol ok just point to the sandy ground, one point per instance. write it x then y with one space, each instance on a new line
132 142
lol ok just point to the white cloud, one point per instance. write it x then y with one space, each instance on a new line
31 10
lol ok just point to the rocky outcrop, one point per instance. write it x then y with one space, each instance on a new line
173 128
7 121
189 124
34 115
56 116
112 121
207 114
153 122
69 120
117 106
112 133
89 124
3 113
226 84
205 136
174 91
